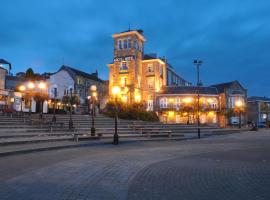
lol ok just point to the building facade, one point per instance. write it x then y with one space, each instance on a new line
233 103
184 104
140 76
258 109
68 80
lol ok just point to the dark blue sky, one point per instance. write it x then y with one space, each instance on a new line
232 37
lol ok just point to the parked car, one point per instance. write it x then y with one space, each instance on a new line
261 125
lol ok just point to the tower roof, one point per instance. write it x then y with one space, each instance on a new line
138 33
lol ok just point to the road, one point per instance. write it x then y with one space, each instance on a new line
227 167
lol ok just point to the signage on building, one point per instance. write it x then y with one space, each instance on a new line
126 58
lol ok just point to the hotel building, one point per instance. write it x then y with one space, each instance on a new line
140 76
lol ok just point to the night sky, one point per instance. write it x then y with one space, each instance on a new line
232 37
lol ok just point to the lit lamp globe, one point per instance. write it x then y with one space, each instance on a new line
93 88
239 104
42 86
115 90
31 85
22 88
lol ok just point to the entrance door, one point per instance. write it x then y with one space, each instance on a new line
150 105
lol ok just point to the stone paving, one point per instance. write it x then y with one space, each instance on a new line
224 167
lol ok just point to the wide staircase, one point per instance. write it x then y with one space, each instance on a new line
21 129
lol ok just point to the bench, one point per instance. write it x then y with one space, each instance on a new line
157 132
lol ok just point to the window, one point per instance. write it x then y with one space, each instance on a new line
125 43
161 70
124 66
163 102
150 83
123 81
177 102
136 44
129 43
119 44
150 67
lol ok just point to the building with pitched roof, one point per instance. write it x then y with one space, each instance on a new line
258 109
69 80
179 104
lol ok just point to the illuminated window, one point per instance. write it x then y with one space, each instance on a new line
177 102
123 81
124 66
150 67
163 102
150 83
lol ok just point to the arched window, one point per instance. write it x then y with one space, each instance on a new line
129 43
125 43
119 44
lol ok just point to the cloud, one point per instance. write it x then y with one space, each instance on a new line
231 37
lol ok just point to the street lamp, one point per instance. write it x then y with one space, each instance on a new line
93 89
70 124
198 63
54 99
42 86
115 92
22 89
239 104
31 87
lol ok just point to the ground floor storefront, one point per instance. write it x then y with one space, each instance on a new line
210 117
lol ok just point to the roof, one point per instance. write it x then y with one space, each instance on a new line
257 98
75 72
2 61
128 32
222 86
3 68
189 90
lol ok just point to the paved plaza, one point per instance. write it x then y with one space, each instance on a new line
229 167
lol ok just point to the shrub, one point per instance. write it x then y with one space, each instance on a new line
135 111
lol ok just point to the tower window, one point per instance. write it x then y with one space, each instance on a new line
125 43
136 44
124 66
129 43
150 67
119 44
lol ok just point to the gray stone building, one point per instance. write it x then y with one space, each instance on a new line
258 109
68 79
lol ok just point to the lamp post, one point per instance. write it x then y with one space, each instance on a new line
54 95
31 87
70 124
198 63
115 92
22 89
42 87
93 98
239 104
